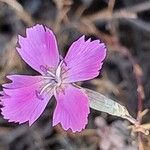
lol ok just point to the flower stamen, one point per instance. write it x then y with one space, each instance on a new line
51 74
55 80
45 87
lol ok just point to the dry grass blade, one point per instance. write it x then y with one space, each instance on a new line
22 14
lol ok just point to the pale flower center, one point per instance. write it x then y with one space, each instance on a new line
53 80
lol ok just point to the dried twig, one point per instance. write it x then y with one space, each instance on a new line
111 5
130 12
63 6
137 70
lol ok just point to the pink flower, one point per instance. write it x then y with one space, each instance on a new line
25 98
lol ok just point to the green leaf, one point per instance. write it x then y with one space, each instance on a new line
101 103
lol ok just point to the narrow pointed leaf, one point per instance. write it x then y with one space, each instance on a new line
101 103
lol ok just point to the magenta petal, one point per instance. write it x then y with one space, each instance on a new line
3 95
23 103
72 109
39 48
19 81
84 60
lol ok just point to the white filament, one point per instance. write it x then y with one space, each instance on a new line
45 87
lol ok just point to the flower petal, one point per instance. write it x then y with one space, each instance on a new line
20 81
22 103
72 109
39 49
84 60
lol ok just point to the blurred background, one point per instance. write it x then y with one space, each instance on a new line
124 25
